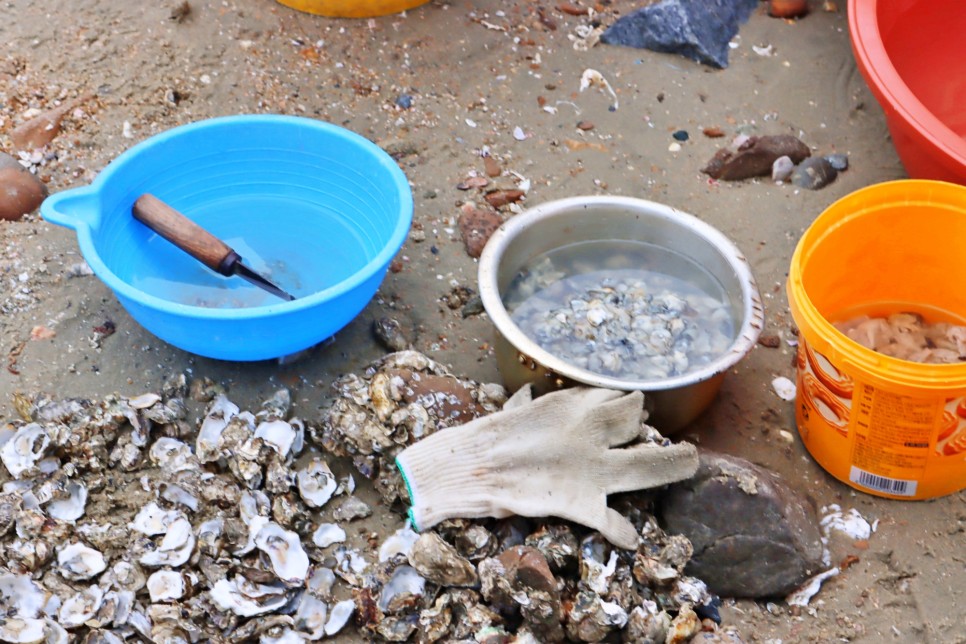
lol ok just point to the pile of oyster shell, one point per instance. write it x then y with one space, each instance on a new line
123 520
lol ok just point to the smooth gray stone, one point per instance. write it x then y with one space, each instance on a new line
698 29
814 173
753 535
839 161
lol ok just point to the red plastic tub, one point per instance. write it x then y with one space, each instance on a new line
912 54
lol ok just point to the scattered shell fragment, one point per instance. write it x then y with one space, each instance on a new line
784 387
593 78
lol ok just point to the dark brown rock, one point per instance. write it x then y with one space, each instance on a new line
528 567
476 226
20 191
452 399
753 535
754 156
41 130
500 198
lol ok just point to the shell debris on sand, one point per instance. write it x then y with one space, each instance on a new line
225 528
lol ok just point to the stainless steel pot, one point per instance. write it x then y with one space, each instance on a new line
673 402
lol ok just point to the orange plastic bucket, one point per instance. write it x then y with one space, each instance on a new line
352 8
885 426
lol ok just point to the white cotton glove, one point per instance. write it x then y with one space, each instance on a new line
558 455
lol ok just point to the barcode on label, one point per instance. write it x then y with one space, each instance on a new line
899 487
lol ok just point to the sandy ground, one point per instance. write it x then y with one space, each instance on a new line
476 70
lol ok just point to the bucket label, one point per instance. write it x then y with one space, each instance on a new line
892 432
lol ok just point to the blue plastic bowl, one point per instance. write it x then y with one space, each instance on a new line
318 209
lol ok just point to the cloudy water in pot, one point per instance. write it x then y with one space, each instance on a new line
623 309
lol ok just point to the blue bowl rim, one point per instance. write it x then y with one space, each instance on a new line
125 290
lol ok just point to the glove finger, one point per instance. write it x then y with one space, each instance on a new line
646 466
618 420
523 396
618 530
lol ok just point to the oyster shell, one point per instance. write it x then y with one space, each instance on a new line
21 596
153 520
27 446
175 548
327 534
172 455
311 616
126 576
339 616
244 575
71 508
398 543
284 550
440 563
80 608
316 483
78 561
220 412
165 586
278 434
404 587
23 630
246 600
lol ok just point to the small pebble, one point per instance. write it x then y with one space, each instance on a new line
389 333
586 126
771 341
404 101
674 147
787 8
473 306
782 168
680 135
838 161
814 173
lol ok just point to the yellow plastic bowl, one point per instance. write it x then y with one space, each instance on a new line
352 8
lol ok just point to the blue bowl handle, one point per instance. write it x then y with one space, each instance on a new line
73 208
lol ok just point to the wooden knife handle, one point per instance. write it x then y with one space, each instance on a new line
184 233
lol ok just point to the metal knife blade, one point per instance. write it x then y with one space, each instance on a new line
242 271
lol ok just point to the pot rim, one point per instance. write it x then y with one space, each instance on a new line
488 277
